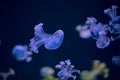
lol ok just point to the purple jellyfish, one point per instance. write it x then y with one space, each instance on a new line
50 41
21 53
66 70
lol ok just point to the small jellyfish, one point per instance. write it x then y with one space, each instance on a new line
21 53
91 21
84 31
116 60
50 41
98 68
96 29
5 75
103 42
66 70
47 73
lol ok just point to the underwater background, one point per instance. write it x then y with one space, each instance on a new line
17 21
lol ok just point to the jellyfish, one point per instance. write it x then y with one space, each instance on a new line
103 33
21 53
84 31
103 42
5 75
47 73
111 12
116 60
66 70
50 41
98 68
91 21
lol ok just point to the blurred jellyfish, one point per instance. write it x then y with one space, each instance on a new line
50 41
66 70
103 33
99 68
21 53
91 21
114 23
5 75
47 73
116 60
111 12
102 42
84 32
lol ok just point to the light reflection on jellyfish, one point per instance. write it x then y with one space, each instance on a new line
116 60
21 53
50 41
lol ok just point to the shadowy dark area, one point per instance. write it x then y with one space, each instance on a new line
17 21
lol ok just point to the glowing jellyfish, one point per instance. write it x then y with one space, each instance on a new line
116 60
47 73
50 41
102 42
114 22
99 68
104 33
66 70
21 53
84 32
5 75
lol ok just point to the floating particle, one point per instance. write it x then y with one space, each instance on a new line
21 53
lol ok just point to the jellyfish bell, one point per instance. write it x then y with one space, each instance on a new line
21 53
103 42
55 40
85 34
46 71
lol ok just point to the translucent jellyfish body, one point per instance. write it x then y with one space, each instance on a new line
114 22
84 32
116 60
99 68
103 33
47 73
66 70
5 75
50 41
21 53
102 42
